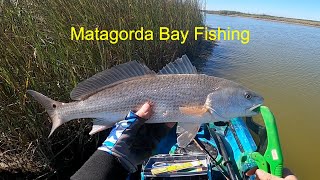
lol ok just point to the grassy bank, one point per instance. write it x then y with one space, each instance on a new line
36 53
267 17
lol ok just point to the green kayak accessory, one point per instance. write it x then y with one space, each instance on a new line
272 160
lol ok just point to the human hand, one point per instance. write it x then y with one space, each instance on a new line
145 112
132 141
262 175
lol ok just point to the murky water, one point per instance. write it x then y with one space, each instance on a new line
281 62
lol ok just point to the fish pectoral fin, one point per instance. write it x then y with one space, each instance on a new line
99 124
187 132
193 110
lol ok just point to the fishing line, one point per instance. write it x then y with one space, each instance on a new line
223 153
202 147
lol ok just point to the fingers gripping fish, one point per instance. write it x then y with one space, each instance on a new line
178 92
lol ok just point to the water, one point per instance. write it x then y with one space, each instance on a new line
281 62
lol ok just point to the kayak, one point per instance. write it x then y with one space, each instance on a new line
226 150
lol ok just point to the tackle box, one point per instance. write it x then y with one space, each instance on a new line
202 171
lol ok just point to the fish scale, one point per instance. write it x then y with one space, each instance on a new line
178 91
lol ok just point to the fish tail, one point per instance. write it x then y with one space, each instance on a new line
51 107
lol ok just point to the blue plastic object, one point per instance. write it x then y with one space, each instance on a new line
241 145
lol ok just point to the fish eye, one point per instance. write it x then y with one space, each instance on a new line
247 95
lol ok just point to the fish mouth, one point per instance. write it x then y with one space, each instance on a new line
255 108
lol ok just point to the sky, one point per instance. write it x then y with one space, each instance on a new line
302 9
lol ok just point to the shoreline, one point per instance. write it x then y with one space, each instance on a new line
303 22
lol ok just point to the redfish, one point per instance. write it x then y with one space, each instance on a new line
178 92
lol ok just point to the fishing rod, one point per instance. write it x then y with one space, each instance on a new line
223 153
218 166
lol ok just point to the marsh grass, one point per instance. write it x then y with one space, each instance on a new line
36 53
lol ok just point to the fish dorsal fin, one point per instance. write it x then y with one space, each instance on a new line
179 66
108 77
187 132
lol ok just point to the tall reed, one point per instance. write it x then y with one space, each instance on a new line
36 53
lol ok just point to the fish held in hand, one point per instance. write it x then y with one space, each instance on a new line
178 92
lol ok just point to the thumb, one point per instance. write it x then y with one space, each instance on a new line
262 175
145 111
